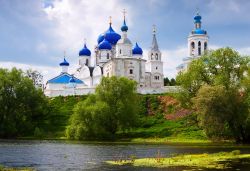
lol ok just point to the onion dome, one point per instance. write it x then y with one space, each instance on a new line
72 80
64 63
137 50
85 51
111 36
104 45
100 38
124 26
199 31
197 18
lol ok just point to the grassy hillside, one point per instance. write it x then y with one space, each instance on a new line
160 116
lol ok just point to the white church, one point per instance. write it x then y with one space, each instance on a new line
114 55
197 43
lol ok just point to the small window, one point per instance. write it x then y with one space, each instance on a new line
199 48
130 71
156 56
87 62
156 68
120 51
107 55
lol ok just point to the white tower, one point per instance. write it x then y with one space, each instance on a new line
198 39
154 64
124 45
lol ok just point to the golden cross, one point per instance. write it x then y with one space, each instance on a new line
197 11
124 13
64 53
154 28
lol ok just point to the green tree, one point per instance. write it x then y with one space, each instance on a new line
112 108
223 113
218 83
166 81
220 67
22 106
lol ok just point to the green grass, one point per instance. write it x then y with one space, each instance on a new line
212 161
2 168
155 130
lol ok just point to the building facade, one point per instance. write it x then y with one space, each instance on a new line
114 55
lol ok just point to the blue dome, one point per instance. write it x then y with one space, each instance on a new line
64 63
199 31
111 36
85 51
100 38
197 18
137 50
124 26
72 80
105 45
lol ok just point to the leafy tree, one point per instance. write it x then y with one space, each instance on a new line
219 84
220 67
112 108
22 106
172 82
166 81
223 112
36 77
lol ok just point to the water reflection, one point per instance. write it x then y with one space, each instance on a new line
60 155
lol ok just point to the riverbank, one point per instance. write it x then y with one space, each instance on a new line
2 168
211 161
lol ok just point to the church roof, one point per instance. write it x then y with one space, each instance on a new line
85 51
154 46
64 78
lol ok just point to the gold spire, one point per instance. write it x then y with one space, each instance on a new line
110 20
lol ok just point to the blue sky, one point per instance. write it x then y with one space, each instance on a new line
34 34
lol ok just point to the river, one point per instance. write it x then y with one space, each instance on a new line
64 155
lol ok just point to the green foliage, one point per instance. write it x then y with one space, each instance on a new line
22 106
170 82
112 108
223 112
220 67
219 86
38 133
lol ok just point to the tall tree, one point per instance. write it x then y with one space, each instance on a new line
21 104
112 108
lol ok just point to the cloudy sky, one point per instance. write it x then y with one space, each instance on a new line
35 33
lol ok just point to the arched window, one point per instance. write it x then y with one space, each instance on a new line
156 56
120 51
130 71
205 46
107 55
192 48
152 56
87 62
199 48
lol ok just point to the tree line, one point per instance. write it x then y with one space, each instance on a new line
217 86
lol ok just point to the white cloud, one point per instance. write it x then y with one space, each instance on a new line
171 59
46 71
76 20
